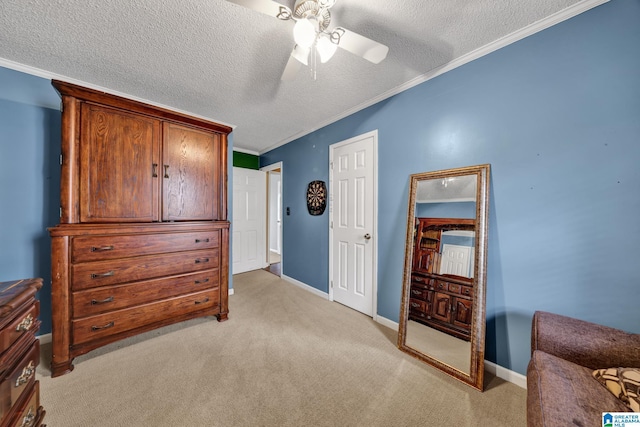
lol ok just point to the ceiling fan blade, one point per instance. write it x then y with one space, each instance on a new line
359 45
301 54
267 7
292 67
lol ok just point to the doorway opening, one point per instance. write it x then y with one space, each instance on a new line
274 218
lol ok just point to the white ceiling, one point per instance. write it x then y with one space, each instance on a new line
222 61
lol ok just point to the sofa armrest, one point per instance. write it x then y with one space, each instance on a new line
587 344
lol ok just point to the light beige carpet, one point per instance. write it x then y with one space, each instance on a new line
285 357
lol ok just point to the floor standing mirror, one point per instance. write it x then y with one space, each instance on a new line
442 317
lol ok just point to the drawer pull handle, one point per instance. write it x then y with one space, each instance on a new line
104 301
102 248
25 325
154 170
201 260
28 419
107 274
413 291
166 171
413 304
203 301
27 373
107 326
202 240
202 281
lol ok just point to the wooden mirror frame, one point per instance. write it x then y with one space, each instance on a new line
475 377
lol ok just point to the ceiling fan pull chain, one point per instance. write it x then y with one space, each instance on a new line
314 54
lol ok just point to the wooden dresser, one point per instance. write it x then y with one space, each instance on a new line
20 354
143 238
443 302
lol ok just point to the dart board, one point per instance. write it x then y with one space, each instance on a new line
316 197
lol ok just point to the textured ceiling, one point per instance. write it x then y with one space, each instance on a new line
221 61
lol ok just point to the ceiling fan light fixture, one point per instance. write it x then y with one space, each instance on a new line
326 48
326 4
304 33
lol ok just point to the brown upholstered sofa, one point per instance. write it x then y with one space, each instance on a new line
561 389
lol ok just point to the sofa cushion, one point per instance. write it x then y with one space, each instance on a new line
560 393
624 383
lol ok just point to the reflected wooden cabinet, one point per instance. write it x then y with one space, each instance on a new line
443 302
143 238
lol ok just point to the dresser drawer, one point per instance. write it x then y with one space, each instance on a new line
441 285
102 273
466 291
422 280
417 306
114 322
99 300
419 292
25 321
32 414
20 378
454 287
95 248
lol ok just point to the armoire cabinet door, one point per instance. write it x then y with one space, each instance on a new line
463 314
190 175
119 161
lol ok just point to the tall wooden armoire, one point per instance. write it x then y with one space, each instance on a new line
143 239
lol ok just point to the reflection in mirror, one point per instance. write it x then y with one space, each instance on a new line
443 306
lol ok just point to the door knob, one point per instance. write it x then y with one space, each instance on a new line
367 236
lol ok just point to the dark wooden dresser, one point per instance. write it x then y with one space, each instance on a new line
19 390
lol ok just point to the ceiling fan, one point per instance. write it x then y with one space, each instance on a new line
313 40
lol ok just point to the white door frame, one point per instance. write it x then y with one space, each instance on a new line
267 169
374 240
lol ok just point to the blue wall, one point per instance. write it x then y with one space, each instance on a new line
557 115
29 180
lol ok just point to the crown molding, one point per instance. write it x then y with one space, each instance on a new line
245 151
543 24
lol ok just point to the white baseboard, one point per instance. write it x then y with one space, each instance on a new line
388 323
45 338
506 374
305 287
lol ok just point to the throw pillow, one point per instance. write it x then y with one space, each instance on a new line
624 383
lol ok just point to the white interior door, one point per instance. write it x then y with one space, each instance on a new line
456 260
249 220
353 229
